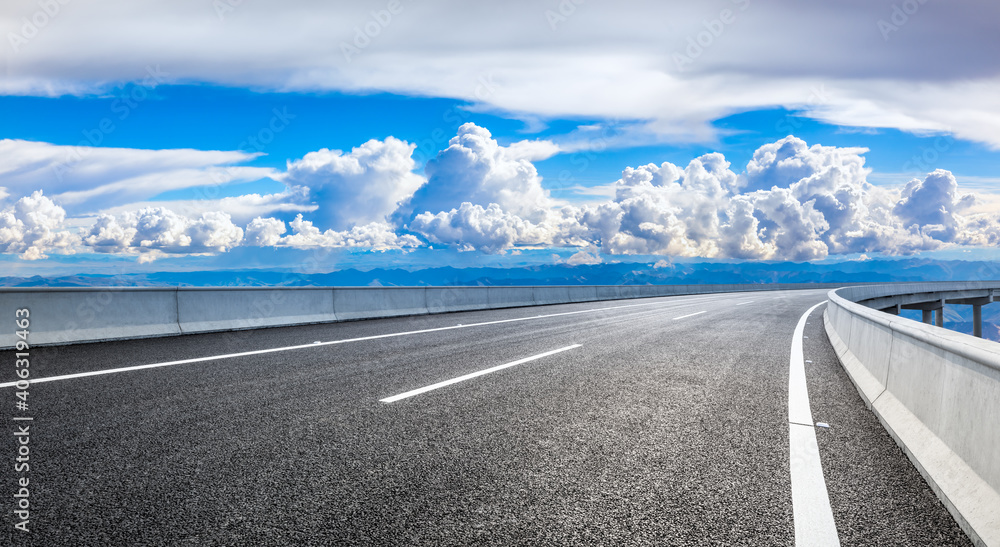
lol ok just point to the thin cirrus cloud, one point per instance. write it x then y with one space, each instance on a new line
85 178
665 69
241 208
792 201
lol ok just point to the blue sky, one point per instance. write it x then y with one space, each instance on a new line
400 134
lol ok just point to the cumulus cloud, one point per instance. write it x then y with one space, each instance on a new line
359 187
377 236
666 210
108 235
472 227
475 169
792 202
31 227
264 232
483 196
162 230
932 205
590 255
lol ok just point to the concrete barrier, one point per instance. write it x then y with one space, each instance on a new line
207 310
609 292
550 295
451 299
370 302
646 291
937 393
59 316
511 297
582 293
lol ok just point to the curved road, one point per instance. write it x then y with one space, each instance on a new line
661 421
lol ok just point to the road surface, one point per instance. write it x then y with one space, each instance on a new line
661 421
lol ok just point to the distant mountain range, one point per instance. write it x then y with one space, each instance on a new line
554 274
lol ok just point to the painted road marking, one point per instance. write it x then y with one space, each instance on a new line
345 341
749 302
432 387
688 315
811 511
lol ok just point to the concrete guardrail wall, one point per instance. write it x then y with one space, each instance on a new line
937 393
71 315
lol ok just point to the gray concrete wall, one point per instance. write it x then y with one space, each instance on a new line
450 299
370 302
510 297
937 392
208 310
60 316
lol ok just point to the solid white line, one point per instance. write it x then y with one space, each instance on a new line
334 342
811 511
689 315
748 302
798 394
432 387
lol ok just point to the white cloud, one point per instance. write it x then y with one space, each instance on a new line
264 232
666 210
215 231
793 202
604 61
533 150
378 236
476 169
107 235
932 205
31 227
794 229
359 187
162 230
590 255
489 230
242 209
86 179
825 180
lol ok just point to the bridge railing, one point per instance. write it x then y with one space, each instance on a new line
937 392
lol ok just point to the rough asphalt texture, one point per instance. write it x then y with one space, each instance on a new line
657 431
868 476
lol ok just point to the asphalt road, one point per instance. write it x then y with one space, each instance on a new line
668 425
